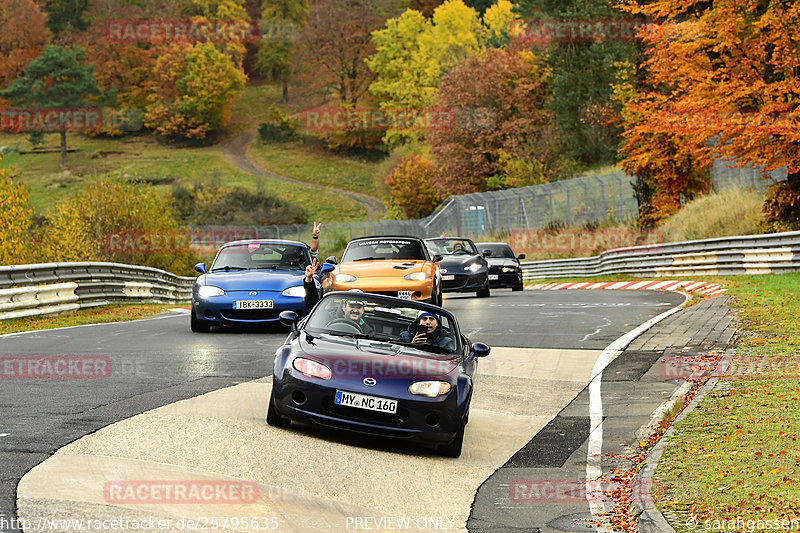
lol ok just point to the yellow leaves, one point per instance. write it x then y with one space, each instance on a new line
14 220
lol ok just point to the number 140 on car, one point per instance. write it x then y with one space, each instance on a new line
361 401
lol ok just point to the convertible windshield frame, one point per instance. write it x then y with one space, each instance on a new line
387 318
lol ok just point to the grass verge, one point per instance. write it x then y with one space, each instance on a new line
310 162
97 315
145 159
736 456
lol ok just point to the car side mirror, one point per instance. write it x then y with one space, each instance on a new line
201 267
332 260
487 253
289 318
521 256
327 267
479 349
437 258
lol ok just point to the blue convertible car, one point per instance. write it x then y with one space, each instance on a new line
378 365
249 283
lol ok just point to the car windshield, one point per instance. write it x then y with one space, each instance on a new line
499 251
367 316
260 255
388 248
451 247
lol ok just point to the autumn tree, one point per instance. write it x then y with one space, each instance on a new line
15 220
193 90
669 167
426 7
281 21
22 39
498 101
56 79
413 193
414 53
80 227
334 44
724 75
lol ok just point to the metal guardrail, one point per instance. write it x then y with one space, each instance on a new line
50 288
749 254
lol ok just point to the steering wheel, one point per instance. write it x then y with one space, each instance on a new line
344 325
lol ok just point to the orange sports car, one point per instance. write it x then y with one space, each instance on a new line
390 265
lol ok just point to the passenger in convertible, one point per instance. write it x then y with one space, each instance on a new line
426 329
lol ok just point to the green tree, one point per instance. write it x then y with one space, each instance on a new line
281 20
66 14
583 73
15 220
55 79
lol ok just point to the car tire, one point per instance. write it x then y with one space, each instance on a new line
518 287
484 292
453 448
273 418
436 297
199 326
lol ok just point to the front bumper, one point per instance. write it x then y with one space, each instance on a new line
420 290
464 282
420 419
219 311
504 279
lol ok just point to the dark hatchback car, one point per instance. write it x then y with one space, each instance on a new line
462 266
504 268
357 363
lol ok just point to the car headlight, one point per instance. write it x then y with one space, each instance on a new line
207 291
416 276
295 292
310 368
429 388
509 269
474 267
344 278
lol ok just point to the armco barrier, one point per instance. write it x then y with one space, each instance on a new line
749 254
49 288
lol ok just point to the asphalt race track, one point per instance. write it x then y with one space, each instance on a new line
528 412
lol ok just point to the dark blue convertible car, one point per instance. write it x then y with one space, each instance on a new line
378 365
249 283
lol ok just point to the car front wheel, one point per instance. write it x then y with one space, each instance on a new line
273 418
453 448
199 326
484 292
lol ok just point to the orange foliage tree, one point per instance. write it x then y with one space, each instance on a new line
722 79
413 193
23 34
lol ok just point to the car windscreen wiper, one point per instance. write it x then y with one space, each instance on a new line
228 267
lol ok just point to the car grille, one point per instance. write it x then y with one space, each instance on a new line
251 314
363 415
